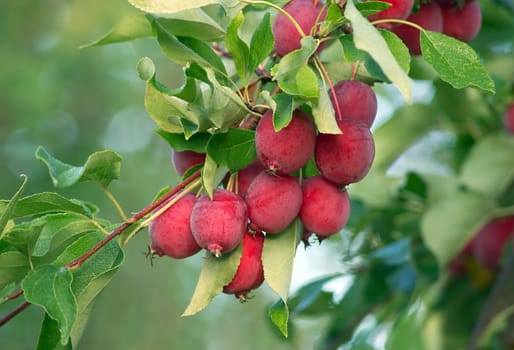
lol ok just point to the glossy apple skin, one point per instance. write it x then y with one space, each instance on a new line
345 158
250 272
273 202
170 232
183 160
428 17
306 13
400 9
325 207
356 100
289 149
218 225
463 24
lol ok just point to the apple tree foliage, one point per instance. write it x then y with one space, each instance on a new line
405 228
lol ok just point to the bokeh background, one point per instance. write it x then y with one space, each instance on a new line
75 102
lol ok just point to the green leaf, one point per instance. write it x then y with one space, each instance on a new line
289 66
50 336
101 167
309 294
304 84
183 50
50 287
395 44
194 23
223 105
196 143
24 236
368 8
279 315
367 38
59 231
167 6
50 202
278 257
7 213
283 108
216 273
261 44
448 224
324 114
293 74
238 48
131 27
407 125
212 175
13 267
495 154
234 149
455 61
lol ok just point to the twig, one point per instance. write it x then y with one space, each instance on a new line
14 313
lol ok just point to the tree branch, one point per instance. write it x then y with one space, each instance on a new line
114 233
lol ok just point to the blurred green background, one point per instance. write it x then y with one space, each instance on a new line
75 102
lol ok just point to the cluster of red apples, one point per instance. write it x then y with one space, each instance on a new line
267 196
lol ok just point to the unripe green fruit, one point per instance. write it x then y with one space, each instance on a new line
250 273
218 225
170 232
273 202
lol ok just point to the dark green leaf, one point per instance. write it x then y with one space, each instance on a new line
279 315
261 44
238 48
282 110
495 154
101 167
24 236
455 61
224 106
368 8
278 257
50 336
234 149
367 38
196 143
131 27
194 23
50 202
216 273
59 231
50 287
7 212
308 295
13 266
183 50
